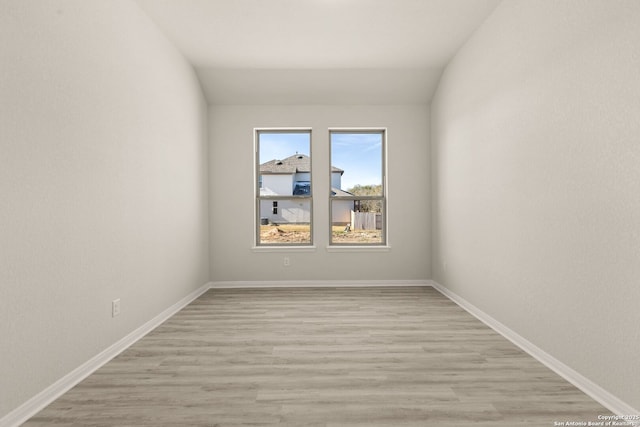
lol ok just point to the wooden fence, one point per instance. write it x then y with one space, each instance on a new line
366 221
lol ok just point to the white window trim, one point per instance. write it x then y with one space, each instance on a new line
256 247
284 248
370 247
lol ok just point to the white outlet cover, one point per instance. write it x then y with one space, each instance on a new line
115 307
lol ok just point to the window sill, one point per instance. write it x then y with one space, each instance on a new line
346 248
291 248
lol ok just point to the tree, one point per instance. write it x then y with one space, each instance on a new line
367 190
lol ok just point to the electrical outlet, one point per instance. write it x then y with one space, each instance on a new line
115 307
287 261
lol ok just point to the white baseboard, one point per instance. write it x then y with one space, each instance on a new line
34 405
317 283
587 386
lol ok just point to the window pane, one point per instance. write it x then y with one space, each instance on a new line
285 163
356 227
285 221
357 170
357 163
283 187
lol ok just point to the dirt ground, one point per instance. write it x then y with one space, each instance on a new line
357 236
285 234
302 234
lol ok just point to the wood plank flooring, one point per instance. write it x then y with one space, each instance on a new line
397 356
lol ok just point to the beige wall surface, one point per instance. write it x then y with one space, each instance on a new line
232 193
536 181
103 184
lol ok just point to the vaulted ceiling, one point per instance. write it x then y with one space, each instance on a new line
318 51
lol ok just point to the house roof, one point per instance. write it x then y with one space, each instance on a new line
292 164
338 192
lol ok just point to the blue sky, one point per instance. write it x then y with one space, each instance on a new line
282 145
358 154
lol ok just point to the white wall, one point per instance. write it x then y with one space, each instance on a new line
289 211
231 150
336 180
536 181
303 176
103 184
277 184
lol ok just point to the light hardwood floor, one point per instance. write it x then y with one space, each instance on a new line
321 357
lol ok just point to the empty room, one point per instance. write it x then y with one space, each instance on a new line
319 213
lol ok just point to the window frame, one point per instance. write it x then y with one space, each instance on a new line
384 198
258 184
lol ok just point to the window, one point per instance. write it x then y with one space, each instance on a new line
283 187
358 187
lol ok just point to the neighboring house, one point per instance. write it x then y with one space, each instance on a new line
292 177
